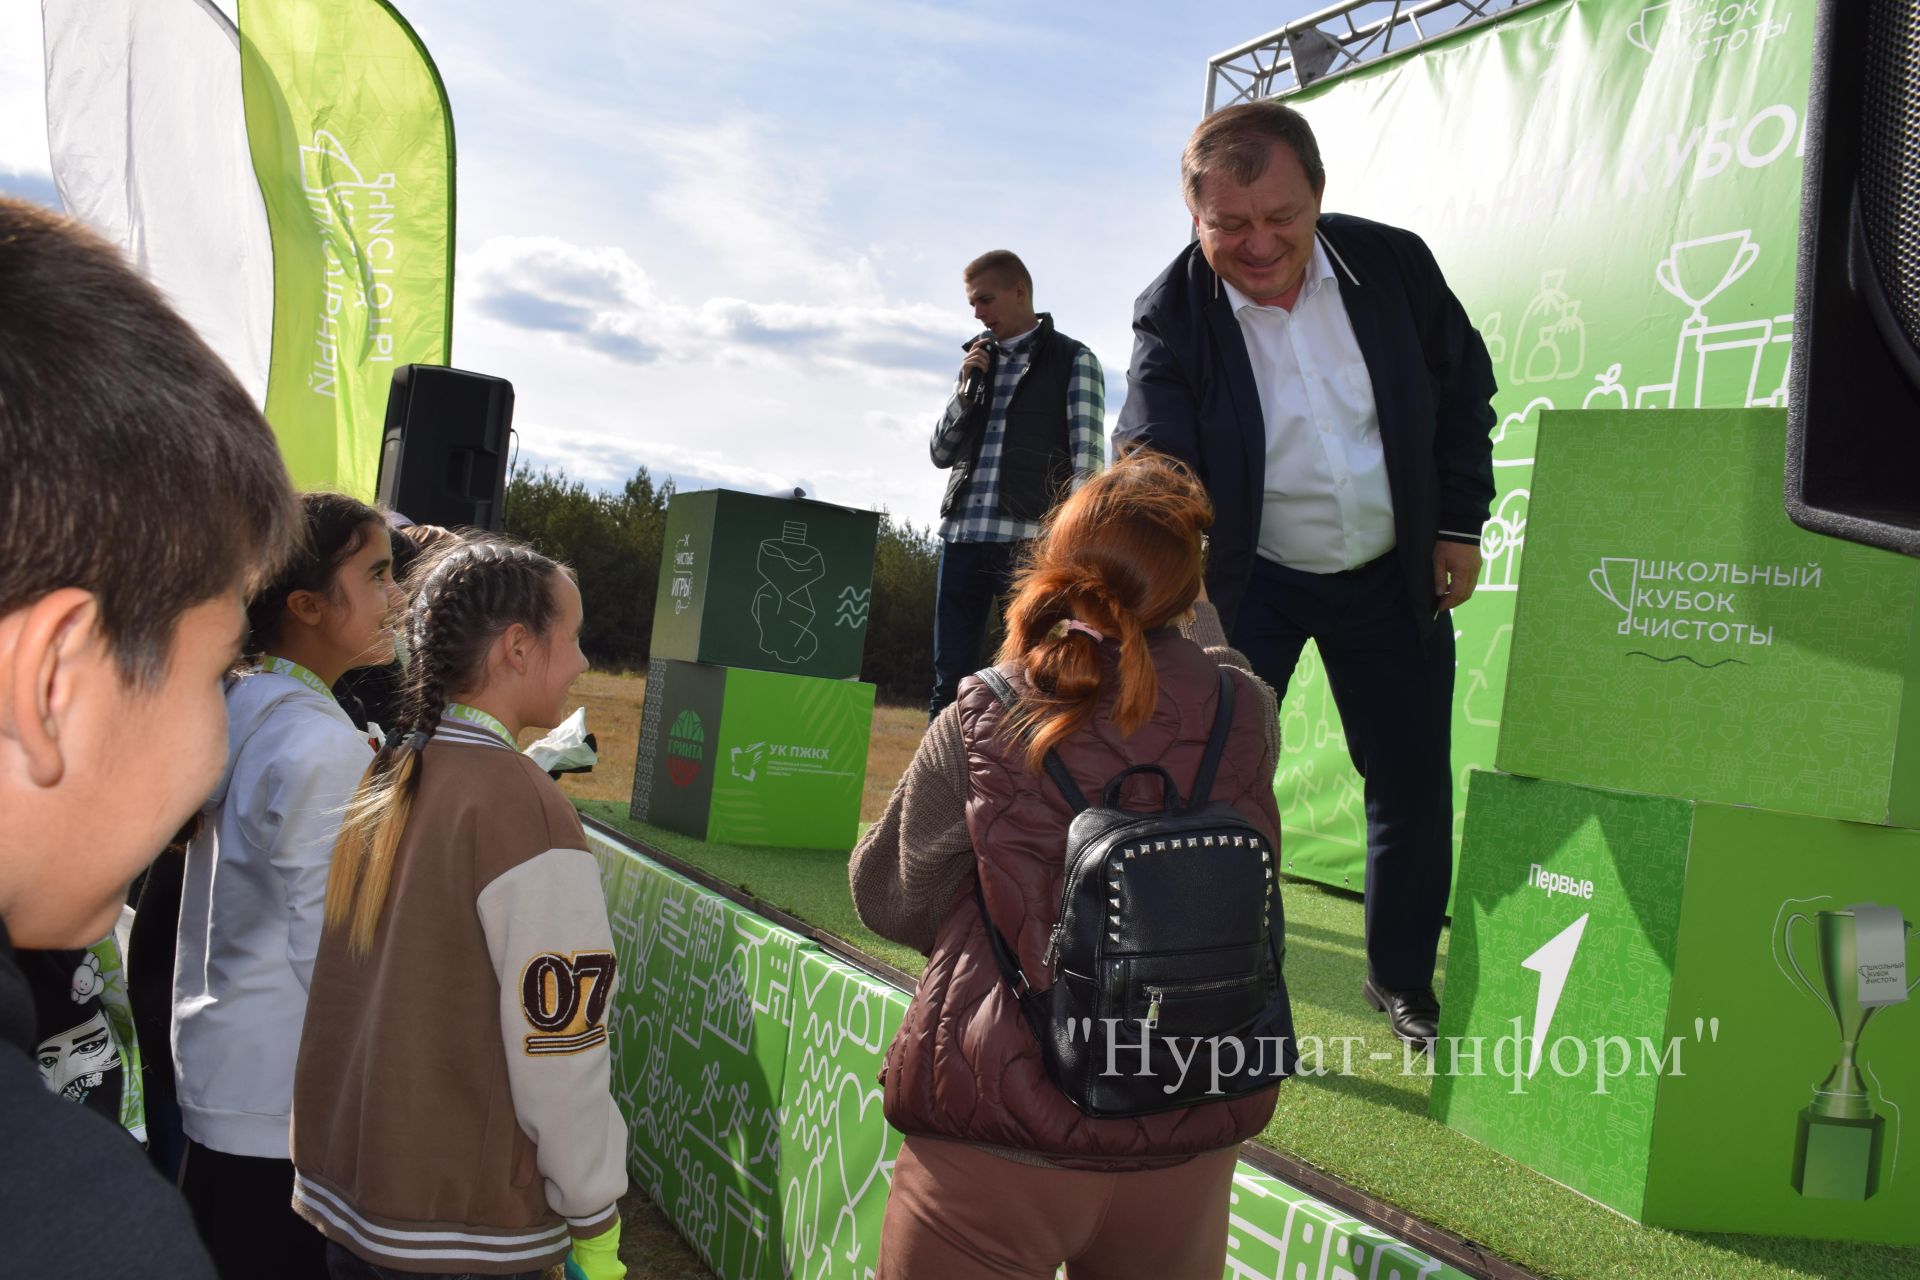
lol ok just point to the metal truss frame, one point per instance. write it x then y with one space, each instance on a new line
1337 40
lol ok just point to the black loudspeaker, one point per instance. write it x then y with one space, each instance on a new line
1853 421
443 459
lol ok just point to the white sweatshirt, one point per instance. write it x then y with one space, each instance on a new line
251 907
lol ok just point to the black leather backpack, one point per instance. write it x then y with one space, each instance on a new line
1165 963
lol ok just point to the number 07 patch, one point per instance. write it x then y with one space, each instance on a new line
564 998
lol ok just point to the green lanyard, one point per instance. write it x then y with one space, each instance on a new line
480 719
284 667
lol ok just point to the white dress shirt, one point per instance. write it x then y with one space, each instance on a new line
1328 506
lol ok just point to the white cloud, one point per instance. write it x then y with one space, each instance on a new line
600 299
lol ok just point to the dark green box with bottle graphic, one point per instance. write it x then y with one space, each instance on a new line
752 757
776 584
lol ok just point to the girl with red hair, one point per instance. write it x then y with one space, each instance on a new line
1114 657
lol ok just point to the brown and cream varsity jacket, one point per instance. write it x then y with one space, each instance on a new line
452 1109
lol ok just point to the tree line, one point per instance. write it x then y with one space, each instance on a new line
614 539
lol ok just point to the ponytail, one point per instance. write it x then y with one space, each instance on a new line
363 853
472 593
1120 557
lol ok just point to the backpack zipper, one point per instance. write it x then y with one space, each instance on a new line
1156 996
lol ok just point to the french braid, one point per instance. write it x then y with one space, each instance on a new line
468 595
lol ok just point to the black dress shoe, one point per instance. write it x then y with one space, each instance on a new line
1413 1015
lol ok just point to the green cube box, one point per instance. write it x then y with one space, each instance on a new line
1676 634
752 757
777 584
1696 1014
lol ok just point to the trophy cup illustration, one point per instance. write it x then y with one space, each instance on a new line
1860 955
1616 579
1687 270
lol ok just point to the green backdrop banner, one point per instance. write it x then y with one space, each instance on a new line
352 142
1612 187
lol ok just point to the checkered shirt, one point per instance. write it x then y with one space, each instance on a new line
978 518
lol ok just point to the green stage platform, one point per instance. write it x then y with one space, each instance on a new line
781 1191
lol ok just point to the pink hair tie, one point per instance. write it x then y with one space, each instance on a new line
1074 624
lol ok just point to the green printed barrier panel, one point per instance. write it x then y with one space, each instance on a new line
1612 188
836 1150
752 757
1678 635
777 584
1694 1013
700 1027
1276 1231
747 1061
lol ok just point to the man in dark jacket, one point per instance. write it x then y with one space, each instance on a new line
1323 380
1026 421
140 493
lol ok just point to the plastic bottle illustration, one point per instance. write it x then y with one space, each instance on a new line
783 605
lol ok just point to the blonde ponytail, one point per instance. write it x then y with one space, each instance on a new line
363 852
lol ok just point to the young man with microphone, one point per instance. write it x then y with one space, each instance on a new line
1026 423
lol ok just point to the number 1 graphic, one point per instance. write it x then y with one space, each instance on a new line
1552 963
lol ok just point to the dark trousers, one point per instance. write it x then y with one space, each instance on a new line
344 1264
1394 690
972 576
243 1209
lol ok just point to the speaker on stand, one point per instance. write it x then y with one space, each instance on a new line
443 457
1853 419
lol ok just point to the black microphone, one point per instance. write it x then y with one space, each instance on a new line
974 388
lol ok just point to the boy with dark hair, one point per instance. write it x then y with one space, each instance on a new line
140 493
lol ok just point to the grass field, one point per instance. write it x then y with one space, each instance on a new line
1369 1127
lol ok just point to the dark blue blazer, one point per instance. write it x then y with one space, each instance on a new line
1191 393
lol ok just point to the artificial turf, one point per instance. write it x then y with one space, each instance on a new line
1368 1126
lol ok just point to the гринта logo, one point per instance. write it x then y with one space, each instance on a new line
686 748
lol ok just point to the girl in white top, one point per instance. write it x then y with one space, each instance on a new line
256 882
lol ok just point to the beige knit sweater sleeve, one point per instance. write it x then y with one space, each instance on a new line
907 868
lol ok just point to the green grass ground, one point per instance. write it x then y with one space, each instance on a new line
1370 1127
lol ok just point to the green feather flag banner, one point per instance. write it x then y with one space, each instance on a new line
352 143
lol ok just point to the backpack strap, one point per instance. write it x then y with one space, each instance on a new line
1216 743
1003 953
1055 770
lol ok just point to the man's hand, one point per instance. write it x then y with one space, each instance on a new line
976 362
1456 569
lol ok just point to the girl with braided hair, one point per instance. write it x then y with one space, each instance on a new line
453 1112
255 879
1115 658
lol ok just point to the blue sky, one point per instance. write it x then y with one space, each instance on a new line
723 239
